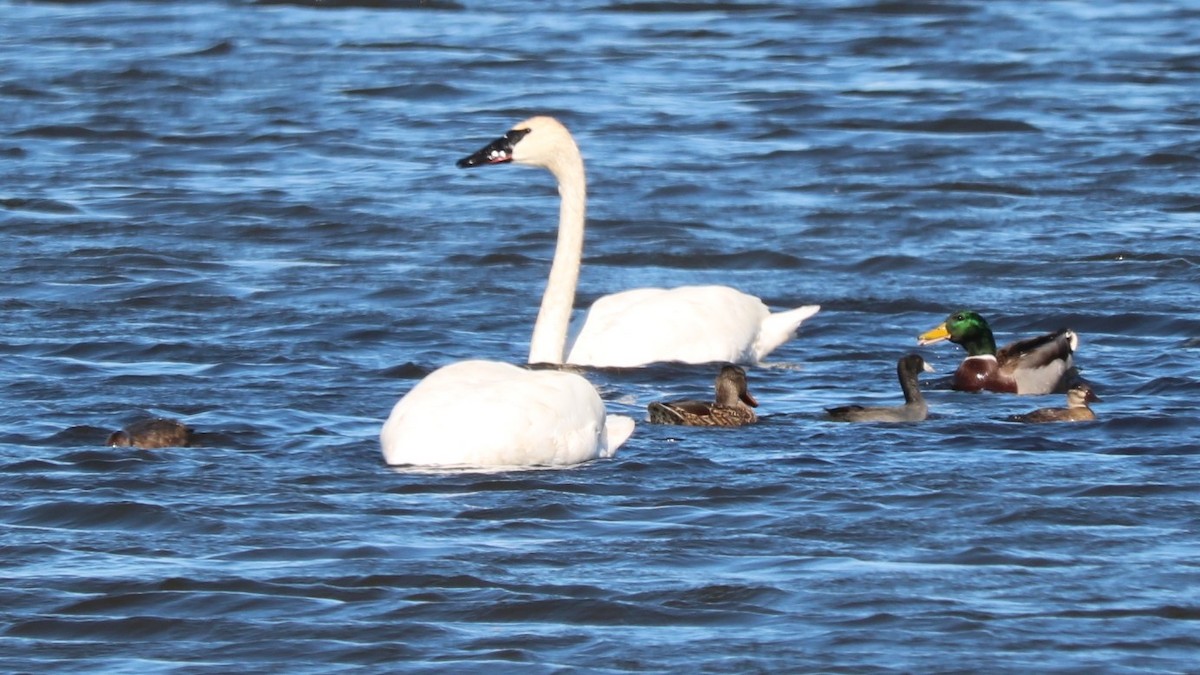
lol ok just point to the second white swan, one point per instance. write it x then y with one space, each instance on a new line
689 324
496 415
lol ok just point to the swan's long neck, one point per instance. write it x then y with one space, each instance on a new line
549 341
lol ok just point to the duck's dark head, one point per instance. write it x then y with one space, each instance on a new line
913 363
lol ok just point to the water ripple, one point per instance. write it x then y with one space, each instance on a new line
247 216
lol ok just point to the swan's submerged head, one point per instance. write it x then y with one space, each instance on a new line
537 141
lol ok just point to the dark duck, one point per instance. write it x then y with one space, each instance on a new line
914 409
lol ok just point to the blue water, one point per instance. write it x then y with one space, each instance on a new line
247 216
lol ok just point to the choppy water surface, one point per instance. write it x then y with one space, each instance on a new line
246 215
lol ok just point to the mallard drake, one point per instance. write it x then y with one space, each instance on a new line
1038 365
733 407
914 408
1077 409
158 432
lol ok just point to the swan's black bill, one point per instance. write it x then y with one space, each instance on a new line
498 151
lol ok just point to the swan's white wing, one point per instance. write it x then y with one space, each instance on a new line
690 324
780 327
488 414
619 428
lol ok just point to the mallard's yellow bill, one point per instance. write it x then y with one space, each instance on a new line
936 335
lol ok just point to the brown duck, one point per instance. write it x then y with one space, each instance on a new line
1038 365
158 432
1077 409
733 407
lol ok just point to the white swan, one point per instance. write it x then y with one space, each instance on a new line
492 415
689 324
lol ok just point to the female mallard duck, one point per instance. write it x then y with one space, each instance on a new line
733 407
152 433
1039 365
914 408
1077 409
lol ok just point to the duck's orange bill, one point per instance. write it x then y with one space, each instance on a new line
936 335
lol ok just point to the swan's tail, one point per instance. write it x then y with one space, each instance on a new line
780 327
618 428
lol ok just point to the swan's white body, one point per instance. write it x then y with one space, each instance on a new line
488 414
690 324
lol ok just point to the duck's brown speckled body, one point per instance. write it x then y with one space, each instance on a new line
1077 409
733 407
1038 365
152 433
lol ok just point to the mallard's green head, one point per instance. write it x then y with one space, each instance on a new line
964 328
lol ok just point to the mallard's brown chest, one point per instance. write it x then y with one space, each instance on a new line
980 373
